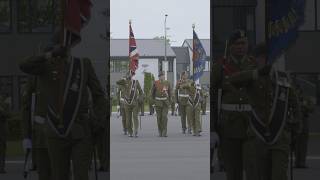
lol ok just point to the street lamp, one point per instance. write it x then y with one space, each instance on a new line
165 47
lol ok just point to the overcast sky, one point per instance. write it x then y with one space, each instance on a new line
148 18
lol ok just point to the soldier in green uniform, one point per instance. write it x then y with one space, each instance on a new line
68 129
182 97
204 102
132 93
141 105
193 106
4 115
161 95
275 115
120 95
172 105
232 123
33 131
301 144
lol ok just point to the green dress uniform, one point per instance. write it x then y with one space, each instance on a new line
141 105
4 115
76 142
274 105
301 144
132 93
236 144
35 130
204 102
120 96
161 95
193 106
182 97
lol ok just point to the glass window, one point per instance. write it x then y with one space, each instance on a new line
36 15
309 21
119 65
5 16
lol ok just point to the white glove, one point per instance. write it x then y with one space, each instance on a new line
118 107
26 144
214 139
176 106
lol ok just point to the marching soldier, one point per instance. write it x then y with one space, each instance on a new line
172 105
132 94
69 131
204 102
151 108
193 106
182 97
275 115
33 131
4 115
141 105
232 120
161 95
301 144
121 102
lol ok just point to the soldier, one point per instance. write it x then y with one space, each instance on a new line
69 131
182 96
193 106
172 105
121 103
132 94
151 108
301 144
33 131
204 102
4 115
275 115
236 145
141 105
161 95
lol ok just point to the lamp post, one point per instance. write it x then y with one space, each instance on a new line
165 64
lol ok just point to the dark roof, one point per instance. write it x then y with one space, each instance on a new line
205 43
146 47
182 54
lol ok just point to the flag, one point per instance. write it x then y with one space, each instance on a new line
133 52
284 19
199 57
77 14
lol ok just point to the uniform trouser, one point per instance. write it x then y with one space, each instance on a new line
162 119
43 164
301 147
274 159
193 116
3 144
132 118
239 154
183 113
123 116
62 150
141 105
151 108
172 108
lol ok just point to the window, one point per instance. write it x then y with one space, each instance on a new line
5 16
119 65
36 15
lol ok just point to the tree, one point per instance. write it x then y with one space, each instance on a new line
162 37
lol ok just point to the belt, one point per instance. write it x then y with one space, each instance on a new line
161 99
183 95
236 107
39 119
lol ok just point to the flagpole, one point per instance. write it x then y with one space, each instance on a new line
165 48
130 21
193 27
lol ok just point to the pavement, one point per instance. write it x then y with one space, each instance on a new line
149 157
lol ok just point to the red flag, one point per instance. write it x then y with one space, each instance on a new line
77 14
133 52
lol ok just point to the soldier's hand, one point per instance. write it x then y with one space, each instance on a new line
26 144
59 52
265 70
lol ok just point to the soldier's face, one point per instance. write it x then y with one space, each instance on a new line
239 47
185 76
161 77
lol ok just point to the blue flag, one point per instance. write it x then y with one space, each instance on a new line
199 57
284 19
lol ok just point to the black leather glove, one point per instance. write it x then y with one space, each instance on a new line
59 51
264 71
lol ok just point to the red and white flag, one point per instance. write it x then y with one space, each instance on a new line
77 14
133 52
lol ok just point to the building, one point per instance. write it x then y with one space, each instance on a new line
27 25
151 59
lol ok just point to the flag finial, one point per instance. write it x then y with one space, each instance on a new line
193 25
130 21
